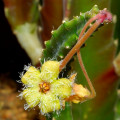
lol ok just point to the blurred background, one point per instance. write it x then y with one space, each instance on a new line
26 24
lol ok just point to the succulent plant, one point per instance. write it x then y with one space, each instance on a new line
36 24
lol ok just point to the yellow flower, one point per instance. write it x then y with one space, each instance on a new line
43 88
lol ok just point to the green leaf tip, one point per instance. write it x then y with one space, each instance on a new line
66 36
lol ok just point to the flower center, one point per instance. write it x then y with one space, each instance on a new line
44 87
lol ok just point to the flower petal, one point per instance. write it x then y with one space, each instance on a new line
32 96
80 94
49 103
50 71
31 77
62 87
80 90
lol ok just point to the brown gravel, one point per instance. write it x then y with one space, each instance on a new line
11 106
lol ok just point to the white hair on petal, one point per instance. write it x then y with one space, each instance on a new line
26 67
